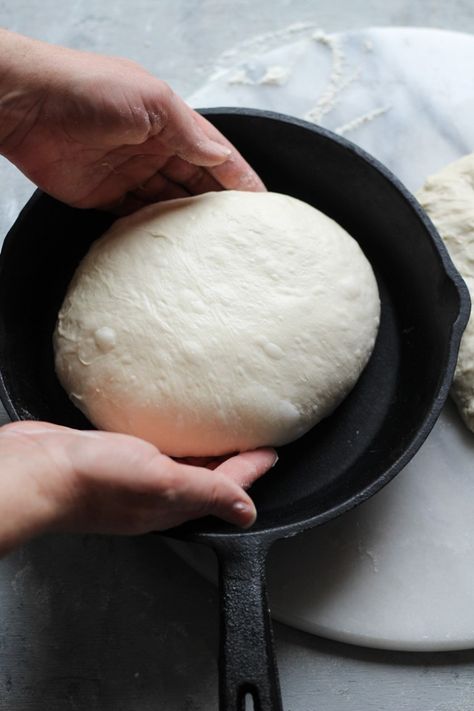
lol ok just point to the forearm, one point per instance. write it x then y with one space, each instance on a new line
23 81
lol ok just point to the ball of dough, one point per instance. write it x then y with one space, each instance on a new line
448 198
217 323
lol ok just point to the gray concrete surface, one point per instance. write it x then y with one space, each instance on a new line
104 624
180 39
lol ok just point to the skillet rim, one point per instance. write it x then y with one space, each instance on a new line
458 325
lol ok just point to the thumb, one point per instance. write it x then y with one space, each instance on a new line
246 467
185 135
204 492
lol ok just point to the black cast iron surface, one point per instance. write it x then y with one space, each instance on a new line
346 458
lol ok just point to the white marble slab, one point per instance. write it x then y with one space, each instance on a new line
398 572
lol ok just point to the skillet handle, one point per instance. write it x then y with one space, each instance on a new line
247 664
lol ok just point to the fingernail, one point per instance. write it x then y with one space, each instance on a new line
275 460
246 513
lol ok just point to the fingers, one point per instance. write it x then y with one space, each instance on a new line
203 492
125 206
208 462
181 154
219 492
245 468
176 179
197 141
234 173
32 427
194 178
187 138
155 189
160 187
26 425
111 483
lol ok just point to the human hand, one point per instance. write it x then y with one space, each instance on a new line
101 132
97 131
56 478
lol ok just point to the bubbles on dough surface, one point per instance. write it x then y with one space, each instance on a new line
105 338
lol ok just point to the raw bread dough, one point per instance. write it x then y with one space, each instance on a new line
448 198
217 323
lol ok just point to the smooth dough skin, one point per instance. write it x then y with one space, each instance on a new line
448 198
217 323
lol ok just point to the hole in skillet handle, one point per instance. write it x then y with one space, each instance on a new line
247 664
249 702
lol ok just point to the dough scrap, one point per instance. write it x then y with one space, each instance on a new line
217 323
448 198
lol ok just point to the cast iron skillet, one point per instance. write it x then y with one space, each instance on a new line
342 461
